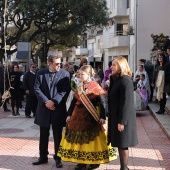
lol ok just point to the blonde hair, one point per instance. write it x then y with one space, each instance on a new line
88 69
124 66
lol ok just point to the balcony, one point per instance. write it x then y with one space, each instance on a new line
120 12
81 51
118 39
121 9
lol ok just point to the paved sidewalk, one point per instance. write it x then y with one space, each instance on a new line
19 146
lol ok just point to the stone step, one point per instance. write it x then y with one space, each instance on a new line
167 108
162 119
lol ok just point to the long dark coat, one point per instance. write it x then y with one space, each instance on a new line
57 93
122 111
28 83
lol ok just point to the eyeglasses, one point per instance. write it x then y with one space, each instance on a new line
34 67
58 64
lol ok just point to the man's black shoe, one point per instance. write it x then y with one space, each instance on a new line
7 110
28 116
40 161
59 164
17 113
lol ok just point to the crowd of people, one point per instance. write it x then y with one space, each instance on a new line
80 98
152 81
21 87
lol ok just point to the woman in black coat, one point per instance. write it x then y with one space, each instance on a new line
163 66
122 117
16 91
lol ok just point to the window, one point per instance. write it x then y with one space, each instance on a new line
112 4
121 29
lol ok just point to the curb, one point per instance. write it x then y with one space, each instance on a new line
158 121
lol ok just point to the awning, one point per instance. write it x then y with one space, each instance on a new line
97 55
22 54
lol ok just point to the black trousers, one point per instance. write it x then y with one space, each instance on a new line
151 95
44 139
163 103
31 105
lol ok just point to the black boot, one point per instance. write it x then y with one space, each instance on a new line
13 113
93 166
160 112
80 167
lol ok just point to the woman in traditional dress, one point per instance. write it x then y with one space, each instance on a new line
122 117
84 140
137 74
141 89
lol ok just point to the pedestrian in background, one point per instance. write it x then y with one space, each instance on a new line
141 89
100 72
28 84
107 72
16 91
83 62
51 88
21 70
122 117
149 68
161 81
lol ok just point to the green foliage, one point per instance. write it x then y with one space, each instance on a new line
43 65
158 41
58 21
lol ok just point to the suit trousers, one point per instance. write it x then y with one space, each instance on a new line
31 105
44 139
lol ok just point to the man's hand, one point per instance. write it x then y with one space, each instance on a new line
120 127
27 91
102 121
50 105
68 119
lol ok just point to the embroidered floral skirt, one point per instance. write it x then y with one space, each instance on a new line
94 152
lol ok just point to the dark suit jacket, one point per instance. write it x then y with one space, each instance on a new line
60 87
168 58
28 83
100 74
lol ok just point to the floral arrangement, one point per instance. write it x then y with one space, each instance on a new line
158 41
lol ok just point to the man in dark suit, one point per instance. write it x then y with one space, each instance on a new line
100 73
168 54
28 84
51 88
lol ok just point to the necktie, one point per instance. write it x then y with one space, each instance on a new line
51 75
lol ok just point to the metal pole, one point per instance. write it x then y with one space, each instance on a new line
136 20
5 30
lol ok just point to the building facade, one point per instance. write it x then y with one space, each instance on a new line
129 31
